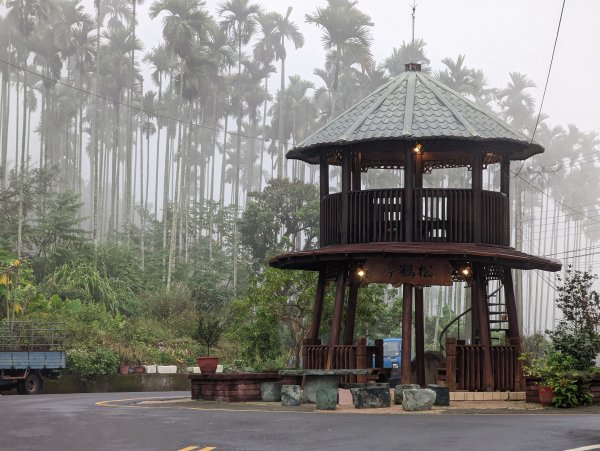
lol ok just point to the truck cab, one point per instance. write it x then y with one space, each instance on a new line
392 353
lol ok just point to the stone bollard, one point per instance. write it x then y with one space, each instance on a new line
326 398
398 392
442 395
270 391
371 397
417 400
290 395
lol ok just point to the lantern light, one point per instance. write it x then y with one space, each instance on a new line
360 272
418 148
465 270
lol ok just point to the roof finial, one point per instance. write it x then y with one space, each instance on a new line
412 66
412 47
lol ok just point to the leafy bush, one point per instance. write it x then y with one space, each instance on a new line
577 333
88 363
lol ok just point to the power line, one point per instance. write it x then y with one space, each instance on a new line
537 121
140 109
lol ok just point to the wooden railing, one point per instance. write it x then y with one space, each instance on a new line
465 366
440 215
344 356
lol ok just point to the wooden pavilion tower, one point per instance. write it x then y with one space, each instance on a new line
415 236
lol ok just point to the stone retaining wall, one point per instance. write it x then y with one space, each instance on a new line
231 387
532 384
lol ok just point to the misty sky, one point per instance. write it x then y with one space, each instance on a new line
496 36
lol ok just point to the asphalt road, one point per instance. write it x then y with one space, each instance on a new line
76 422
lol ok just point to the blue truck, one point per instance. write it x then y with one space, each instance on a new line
29 353
392 353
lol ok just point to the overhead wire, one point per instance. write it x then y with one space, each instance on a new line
537 121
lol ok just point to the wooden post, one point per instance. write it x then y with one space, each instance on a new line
361 358
305 363
334 336
451 363
419 336
409 183
514 334
406 332
484 326
505 189
419 169
351 311
324 175
356 174
379 353
317 312
346 176
477 186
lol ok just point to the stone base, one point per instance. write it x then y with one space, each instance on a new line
290 395
371 397
270 391
416 400
326 398
313 383
442 395
399 390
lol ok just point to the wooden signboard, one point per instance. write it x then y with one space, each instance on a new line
419 272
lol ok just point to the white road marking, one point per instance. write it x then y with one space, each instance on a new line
584 448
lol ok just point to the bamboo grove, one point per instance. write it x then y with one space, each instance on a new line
161 150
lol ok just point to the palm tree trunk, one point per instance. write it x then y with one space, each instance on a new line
281 157
22 170
4 129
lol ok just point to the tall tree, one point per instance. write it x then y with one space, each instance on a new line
346 29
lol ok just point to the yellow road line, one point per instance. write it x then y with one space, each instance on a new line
189 448
208 448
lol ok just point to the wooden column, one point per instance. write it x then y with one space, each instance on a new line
346 177
406 332
418 169
484 326
315 325
334 335
419 336
409 183
356 174
505 189
323 175
477 186
351 311
514 334
323 192
451 363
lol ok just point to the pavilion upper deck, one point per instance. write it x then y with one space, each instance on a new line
436 215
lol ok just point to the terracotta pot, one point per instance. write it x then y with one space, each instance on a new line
139 369
124 369
545 394
208 365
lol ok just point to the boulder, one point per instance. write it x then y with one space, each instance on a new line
442 395
415 400
371 397
290 395
398 392
326 398
270 391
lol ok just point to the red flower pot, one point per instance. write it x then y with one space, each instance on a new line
139 369
545 394
124 369
208 365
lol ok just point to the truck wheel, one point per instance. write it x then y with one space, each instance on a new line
30 386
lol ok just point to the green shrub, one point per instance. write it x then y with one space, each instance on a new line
88 364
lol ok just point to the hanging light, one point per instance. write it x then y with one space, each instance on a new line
418 148
465 270
360 272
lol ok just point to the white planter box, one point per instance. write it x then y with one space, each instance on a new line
219 368
166 369
193 369
150 369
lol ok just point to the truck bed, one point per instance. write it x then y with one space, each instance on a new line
34 360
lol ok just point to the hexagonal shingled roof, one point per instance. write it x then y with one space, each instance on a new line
415 107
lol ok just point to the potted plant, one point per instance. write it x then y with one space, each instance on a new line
208 332
537 367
